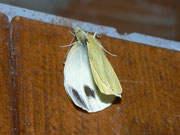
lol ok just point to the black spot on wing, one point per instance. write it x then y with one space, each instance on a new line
86 40
78 98
88 91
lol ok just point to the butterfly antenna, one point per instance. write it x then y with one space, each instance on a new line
94 35
108 52
70 42
104 48
67 45
72 33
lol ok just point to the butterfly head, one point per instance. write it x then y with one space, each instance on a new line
81 35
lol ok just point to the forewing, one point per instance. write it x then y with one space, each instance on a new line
103 73
79 83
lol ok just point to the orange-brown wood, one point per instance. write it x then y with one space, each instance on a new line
5 80
149 77
32 96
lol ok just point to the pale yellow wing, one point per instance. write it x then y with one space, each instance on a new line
103 73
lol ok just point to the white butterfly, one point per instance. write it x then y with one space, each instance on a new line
79 83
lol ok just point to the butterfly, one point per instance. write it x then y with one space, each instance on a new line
89 78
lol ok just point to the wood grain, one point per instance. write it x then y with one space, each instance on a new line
149 77
5 79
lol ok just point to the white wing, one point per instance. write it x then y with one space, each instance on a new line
79 83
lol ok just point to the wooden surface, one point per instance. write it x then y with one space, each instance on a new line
149 77
5 80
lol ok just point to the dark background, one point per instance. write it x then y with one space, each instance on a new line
159 18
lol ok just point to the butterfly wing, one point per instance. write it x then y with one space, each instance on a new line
103 73
79 83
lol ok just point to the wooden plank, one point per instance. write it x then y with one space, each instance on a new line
149 77
5 80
